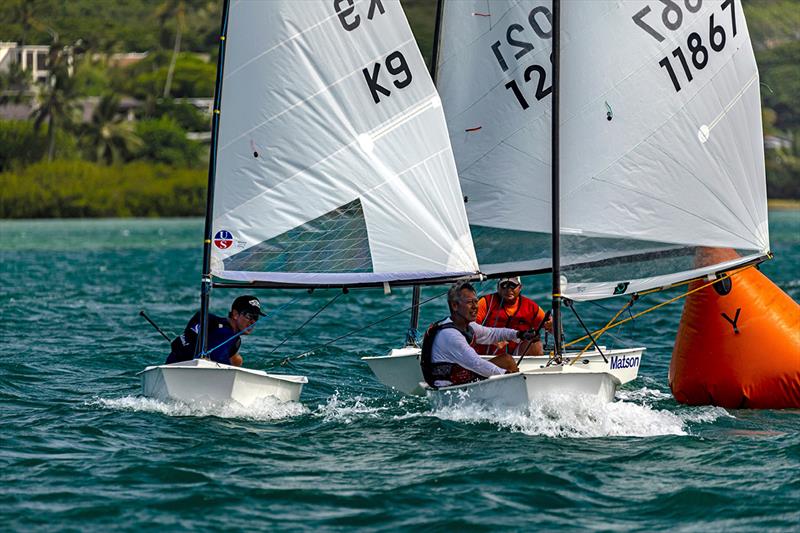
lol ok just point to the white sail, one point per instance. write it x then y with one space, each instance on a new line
660 134
333 163
502 152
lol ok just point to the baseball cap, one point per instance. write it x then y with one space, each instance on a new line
515 280
247 304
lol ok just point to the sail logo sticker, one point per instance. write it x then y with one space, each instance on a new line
223 239
623 362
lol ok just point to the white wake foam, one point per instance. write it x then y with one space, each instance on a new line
578 416
264 409
347 410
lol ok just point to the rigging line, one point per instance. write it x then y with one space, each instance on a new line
289 359
734 270
569 304
662 304
321 309
245 330
605 328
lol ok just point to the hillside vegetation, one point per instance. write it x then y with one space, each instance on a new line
56 165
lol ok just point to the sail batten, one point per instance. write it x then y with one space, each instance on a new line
334 163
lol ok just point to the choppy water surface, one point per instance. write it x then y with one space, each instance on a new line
80 449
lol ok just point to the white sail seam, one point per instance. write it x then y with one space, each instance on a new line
753 224
733 101
646 139
401 118
302 102
509 76
754 237
396 177
344 147
703 184
495 186
669 118
281 43
695 215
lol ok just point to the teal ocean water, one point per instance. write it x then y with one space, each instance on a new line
82 450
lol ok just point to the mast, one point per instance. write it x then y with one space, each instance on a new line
436 37
413 326
205 283
556 223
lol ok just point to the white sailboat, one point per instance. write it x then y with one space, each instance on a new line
331 166
201 380
400 369
657 142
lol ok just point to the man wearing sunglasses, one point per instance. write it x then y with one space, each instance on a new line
224 333
448 356
507 308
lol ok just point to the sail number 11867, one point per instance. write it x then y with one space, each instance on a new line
695 54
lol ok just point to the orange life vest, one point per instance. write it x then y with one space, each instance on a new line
523 319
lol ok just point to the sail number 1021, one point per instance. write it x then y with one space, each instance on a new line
696 54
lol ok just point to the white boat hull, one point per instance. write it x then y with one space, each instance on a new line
522 389
200 380
400 369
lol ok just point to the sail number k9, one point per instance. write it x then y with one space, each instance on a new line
395 62
696 50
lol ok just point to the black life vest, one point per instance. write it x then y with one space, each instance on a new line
452 372
184 345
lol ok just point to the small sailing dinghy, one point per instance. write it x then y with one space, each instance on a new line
401 370
639 141
201 380
330 167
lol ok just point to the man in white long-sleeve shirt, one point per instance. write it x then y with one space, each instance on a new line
447 355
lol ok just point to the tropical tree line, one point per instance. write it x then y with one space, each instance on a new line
140 118
104 138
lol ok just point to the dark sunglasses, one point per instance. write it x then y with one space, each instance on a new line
250 316
508 285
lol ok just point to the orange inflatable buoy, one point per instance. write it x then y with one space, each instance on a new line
738 345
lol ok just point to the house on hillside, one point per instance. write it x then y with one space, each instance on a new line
33 58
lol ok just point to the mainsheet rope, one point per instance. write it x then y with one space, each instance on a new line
248 328
613 324
315 315
287 360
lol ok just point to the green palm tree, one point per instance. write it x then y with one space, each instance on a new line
109 136
56 100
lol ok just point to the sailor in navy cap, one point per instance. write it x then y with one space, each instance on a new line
224 333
